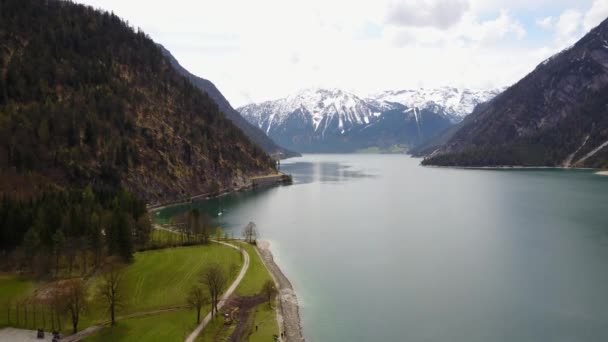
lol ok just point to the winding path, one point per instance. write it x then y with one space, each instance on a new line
226 294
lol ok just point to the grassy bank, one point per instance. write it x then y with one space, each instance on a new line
396 149
169 326
256 276
262 315
155 280
162 278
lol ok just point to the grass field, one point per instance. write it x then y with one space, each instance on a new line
156 279
256 276
159 236
378 150
162 278
216 331
265 319
12 288
370 150
169 326
264 316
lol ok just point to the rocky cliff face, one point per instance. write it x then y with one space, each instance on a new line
555 116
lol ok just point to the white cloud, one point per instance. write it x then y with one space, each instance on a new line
469 29
545 23
264 49
494 30
595 15
568 26
428 13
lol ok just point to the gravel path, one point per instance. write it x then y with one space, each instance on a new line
22 335
288 301
226 294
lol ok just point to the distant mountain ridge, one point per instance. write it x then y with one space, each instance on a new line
555 116
334 120
455 103
252 132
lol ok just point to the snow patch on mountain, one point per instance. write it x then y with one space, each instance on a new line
335 111
453 102
322 106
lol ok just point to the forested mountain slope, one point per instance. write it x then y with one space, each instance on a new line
555 116
85 99
253 133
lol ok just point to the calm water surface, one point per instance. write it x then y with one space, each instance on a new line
381 249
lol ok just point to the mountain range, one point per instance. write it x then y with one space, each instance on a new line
555 116
335 120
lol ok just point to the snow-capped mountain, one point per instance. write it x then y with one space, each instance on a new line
455 103
334 120
321 107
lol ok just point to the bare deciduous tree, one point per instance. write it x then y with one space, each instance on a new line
269 290
214 279
111 289
75 300
197 299
56 302
250 233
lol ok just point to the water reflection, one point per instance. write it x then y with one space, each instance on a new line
213 207
314 172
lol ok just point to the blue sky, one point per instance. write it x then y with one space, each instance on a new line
265 49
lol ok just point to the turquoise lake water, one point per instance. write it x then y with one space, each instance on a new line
382 249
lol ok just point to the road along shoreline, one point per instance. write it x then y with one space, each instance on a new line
252 183
291 324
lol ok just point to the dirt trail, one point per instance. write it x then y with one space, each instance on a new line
288 302
245 305
226 294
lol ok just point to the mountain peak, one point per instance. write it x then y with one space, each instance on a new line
343 121
453 102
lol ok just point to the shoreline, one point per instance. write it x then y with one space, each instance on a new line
510 167
254 183
288 301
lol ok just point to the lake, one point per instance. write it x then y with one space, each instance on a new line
382 249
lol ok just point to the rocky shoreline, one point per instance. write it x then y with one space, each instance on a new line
291 324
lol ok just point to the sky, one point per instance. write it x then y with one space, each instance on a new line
267 49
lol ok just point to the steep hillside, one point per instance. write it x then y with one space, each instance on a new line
84 99
253 133
556 116
333 120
